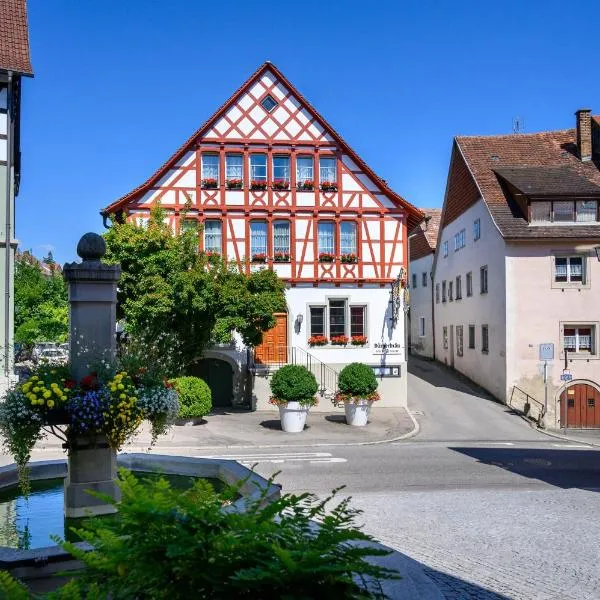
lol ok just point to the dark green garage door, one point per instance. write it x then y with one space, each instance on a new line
219 376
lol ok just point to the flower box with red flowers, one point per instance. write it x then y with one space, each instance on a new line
329 186
281 184
281 257
308 185
358 340
258 185
349 258
259 257
317 340
209 184
326 257
234 184
339 340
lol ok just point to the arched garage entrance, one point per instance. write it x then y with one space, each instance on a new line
580 405
218 374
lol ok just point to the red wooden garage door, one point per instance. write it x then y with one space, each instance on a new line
580 406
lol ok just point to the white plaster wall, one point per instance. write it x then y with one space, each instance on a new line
420 306
488 370
535 310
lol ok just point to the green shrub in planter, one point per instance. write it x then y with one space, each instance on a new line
358 380
195 398
294 383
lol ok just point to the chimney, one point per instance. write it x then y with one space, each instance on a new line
584 133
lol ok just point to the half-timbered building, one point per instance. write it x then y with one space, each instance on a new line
274 186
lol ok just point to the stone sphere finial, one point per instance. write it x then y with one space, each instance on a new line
91 246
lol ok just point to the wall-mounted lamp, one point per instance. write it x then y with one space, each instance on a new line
298 322
597 249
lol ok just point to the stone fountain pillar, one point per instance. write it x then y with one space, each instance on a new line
92 318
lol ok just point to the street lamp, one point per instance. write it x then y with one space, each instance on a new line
397 285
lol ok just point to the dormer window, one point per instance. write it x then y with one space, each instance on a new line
564 211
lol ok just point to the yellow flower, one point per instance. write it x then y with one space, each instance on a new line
47 394
36 389
122 396
66 390
50 403
121 386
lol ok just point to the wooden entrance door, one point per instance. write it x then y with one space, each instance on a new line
580 406
273 349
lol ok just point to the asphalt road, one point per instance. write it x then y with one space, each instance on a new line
479 504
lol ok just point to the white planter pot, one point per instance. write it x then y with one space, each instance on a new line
357 413
293 417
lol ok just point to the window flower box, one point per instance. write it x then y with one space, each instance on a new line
339 340
349 258
358 340
212 254
308 185
258 185
234 184
281 184
281 257
209 184
326 257
317 340
329 186
260 257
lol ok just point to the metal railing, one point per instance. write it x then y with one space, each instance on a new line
270 359
526 400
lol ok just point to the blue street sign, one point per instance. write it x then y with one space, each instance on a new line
566 377
546 351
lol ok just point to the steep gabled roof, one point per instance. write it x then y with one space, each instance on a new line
477 161
423 238
414 214
14 37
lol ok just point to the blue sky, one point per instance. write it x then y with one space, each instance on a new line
120 85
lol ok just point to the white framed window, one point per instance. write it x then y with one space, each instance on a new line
580 339
459 240
563 210
258 167
327 169
210 169
485 339
304 170
326 237
421 326
569 269
469 283
358 321
348 237
483 279
445 249
476 229
281 239
586 211
414 280
424 279
471 337
213 236
234 167
268 103
317 320
437 293
443 291
258 238
189 225
459 340
281 169
459 287
450 291
337 318
445 337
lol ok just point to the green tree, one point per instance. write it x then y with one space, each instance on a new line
174 295
41 309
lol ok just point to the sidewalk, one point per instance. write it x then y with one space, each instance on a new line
582 436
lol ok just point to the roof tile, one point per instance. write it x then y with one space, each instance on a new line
14 37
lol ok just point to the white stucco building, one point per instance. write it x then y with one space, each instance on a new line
517 266
274 186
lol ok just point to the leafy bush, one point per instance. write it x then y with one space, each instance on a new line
195 398
173 544
294 383
357 379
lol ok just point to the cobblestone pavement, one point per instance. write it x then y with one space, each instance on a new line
491 545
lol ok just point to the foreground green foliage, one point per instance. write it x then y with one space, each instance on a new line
173 294
195 398
357 379
169 544
294 383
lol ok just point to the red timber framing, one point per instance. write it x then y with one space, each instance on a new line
292 129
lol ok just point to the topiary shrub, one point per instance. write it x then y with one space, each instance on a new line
357 381
294 383
195 398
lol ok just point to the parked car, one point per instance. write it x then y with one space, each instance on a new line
40 347
53 356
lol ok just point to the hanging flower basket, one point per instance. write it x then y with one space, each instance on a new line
281 257
258 185
234 184
317 340
349 258
209 184
327 257
339 340
281 184
329 186
260 257
308 185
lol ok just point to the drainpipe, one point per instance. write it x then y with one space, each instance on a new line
8 230
432 311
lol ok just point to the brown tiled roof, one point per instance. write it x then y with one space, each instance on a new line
14 37
476 159
423 239
413 213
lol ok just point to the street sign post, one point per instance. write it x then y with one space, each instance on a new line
546 351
